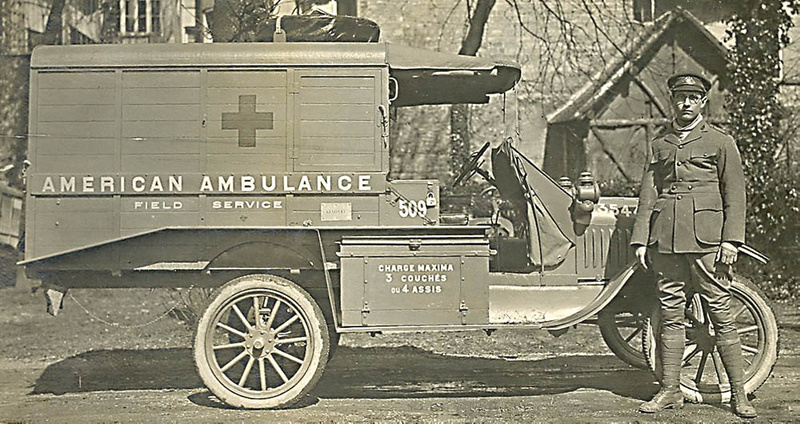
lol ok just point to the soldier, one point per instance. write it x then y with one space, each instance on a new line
689 224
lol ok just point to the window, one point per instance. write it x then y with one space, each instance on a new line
155 16
140 16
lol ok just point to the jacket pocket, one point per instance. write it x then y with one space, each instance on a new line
708 218
704 156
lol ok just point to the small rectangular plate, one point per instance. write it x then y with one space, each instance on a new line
336 211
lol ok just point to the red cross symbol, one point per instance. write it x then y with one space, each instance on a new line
247 120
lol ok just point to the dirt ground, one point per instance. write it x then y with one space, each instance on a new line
77 368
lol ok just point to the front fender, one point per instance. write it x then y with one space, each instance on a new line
609 292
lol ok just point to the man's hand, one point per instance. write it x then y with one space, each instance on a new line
727 253
641 255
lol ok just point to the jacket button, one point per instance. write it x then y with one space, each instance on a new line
680 180
680 197
690 187
680 163
673 188
681 146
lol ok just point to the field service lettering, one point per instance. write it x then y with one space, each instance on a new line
157 205
112 184
246 204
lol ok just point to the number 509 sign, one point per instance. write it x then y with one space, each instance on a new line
412 208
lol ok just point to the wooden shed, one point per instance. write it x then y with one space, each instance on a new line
607 125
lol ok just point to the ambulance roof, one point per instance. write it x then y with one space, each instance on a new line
424 76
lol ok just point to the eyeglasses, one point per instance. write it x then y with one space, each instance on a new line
691 98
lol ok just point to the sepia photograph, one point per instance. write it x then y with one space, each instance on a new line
399 211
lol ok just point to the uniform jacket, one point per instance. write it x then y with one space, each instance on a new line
692 196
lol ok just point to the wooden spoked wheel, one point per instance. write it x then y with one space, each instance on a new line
262 342
622 331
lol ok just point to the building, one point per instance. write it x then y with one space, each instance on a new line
102 21
606 126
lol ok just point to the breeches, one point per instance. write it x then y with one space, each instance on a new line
679 276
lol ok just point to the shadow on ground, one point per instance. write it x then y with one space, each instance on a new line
120 369
403 372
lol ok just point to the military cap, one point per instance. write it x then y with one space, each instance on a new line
688 81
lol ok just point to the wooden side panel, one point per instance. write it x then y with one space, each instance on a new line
139 214
67 223
242 104
161 122
124 152
75 122
440 282
333 211
245 210
338 121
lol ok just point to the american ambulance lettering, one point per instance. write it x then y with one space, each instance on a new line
291 183
112 184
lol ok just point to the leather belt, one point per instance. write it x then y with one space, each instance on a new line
689 187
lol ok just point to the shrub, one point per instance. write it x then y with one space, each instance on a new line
757 118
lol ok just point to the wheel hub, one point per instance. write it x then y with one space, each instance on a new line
259 343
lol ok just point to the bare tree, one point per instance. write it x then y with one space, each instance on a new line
565 39
459 114
55 24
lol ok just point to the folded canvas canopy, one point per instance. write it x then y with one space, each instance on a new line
429 77
423 76
319 26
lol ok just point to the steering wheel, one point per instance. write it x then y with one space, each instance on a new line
471 166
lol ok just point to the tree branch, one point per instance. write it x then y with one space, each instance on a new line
477 24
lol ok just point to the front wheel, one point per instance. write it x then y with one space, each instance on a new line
703 378
275 353
622 332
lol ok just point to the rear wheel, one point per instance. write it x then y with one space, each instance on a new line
275 353
622 332
703 378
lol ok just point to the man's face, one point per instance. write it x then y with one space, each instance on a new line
688 105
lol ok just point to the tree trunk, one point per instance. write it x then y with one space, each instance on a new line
459 114
55 24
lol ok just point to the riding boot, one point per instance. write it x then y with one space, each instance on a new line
670 396
730 350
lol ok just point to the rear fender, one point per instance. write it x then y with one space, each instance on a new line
267 250
285 251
